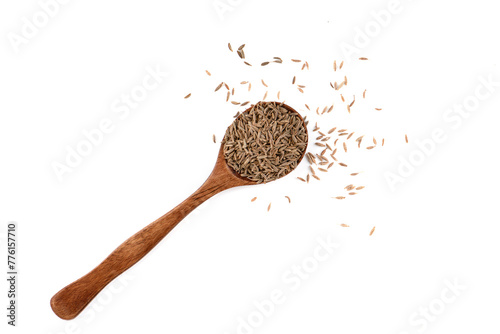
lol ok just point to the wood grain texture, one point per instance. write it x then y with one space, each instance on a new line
72 299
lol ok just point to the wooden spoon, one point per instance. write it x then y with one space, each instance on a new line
72 299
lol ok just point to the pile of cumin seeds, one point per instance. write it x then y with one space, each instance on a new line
266 142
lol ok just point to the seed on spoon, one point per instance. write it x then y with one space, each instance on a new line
254 144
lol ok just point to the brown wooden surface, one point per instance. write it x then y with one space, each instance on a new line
72 299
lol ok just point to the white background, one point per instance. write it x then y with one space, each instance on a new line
440 225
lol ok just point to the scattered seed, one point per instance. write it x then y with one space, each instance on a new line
288 198
317 178
373 230
406 138
370 147
344 225
269 159
187 96
339 197
219 86
269 207
247 63
253 199
214 139
359 139
229 46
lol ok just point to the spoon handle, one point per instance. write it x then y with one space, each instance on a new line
72 299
